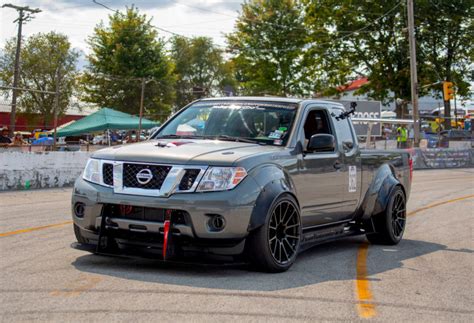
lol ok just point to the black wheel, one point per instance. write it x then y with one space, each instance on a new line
79 237
274 246
390 225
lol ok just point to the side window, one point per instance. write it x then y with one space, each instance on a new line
316 122
344 133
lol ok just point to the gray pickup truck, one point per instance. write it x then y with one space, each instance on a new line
251 178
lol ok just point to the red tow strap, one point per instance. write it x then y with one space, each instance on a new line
165 241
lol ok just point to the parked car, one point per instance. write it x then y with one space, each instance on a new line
259 179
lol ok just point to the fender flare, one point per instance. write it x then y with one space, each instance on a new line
377 197
279 184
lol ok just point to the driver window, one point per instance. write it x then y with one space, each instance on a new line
316 123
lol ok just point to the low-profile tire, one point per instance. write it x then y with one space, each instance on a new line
79 237
390 225
273 247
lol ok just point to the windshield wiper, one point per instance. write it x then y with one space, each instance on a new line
177 137
236 139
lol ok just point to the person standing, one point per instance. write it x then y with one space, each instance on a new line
402 136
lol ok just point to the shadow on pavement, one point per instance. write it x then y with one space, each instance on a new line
328 262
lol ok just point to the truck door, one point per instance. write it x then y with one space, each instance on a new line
319 181
350 164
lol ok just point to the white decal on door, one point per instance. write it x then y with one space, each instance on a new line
352 179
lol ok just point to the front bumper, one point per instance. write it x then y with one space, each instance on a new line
234 206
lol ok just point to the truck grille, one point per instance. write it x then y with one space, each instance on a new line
188 179
158 173
108 174
143 213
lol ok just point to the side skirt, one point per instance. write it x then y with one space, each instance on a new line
322 234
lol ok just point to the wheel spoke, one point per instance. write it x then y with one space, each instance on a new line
291 246
275 249
284 214
290 217
284 250
279 253
292 237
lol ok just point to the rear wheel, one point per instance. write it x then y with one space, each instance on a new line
390 225
273 247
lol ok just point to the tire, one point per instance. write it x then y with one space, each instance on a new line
79 237
273 247
390 225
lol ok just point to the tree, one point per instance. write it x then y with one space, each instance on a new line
446 35
267 44
125 52
353 38
199 68
43 58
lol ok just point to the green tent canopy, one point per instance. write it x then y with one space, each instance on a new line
105 119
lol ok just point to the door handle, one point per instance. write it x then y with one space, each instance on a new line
337 164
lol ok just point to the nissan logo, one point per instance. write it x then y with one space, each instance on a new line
144 176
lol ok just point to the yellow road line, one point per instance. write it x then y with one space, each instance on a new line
365 307
81 285
6 234
440 203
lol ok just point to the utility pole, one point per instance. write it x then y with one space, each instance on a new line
141 109
413 72
23 16
56 103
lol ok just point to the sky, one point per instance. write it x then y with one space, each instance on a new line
77 18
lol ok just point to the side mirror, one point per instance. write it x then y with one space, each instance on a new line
322 143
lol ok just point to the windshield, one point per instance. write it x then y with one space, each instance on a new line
266 123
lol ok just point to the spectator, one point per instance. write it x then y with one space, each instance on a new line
18 140
402 136
386 132
4 139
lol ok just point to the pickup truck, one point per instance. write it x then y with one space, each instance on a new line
252 178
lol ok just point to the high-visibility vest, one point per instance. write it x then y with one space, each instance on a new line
402 134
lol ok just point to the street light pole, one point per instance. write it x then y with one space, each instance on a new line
56 103
413 72
22 17
142 96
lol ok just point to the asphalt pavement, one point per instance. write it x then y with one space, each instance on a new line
427 277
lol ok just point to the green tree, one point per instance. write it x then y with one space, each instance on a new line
199 69
445 32
43 56
267 44
353 38
123 53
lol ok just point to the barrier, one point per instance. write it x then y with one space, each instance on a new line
442 158
25 170
31 170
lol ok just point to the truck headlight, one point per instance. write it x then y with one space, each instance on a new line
93 171
221 178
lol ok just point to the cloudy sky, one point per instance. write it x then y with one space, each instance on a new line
77 18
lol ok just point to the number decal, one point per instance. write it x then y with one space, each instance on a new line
352 179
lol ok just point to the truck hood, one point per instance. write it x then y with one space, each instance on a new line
183 151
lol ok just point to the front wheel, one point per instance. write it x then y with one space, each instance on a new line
273 247
390 225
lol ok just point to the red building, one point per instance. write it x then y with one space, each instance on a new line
31 121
